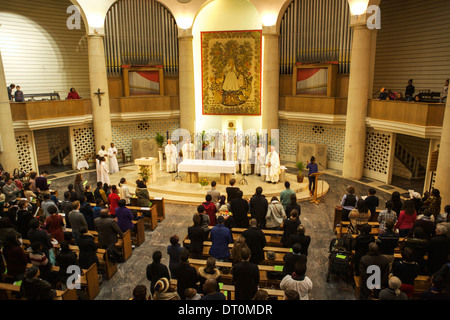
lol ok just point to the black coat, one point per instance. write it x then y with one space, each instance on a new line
231 193
186 276
258 209
239 209
303 240
289 262
197 235
438 251
292 206
289 228
256 241
245 280
88 251
23 222
64 260
155 272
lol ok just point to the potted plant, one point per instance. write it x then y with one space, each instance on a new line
300 167
159 140
203 183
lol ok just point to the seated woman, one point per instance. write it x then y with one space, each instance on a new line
359 216
143 197
348 202
73 94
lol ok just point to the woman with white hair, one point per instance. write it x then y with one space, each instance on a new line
393 292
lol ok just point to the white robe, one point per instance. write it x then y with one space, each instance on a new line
124 193
260 155
273 170
230 152
104 153
188 150
244 155
113 164
98 166
171 158
104 173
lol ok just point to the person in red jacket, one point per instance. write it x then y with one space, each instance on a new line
73 94
113 200
210 209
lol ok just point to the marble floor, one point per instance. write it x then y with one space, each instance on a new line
318 220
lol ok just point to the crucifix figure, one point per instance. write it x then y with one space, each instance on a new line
99 93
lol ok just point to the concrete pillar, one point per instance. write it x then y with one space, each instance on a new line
8 154
270 79
186 80
442 182
434 145
358 94
99 80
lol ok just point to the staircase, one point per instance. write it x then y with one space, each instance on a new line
62 151
413 154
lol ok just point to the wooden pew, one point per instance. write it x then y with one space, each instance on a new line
8 292
123 243
151 215
105 264
279 252
273 237
228 290
138 236
158 202
227 277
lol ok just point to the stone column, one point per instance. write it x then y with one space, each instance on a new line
99 80
186 80
358 95
270 79
8 156
442 182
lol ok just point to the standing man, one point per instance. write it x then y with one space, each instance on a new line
260 153
285 195
10 89
409 92
312 167
272 166
256 241
215 194
244 154
113 164
245 277
171 157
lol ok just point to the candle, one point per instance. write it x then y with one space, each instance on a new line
167 135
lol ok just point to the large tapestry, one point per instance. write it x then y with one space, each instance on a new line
231 72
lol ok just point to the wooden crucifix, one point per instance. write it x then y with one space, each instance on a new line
99 93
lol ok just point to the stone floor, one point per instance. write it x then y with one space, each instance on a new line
318 220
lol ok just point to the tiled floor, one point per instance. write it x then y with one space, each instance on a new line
318 220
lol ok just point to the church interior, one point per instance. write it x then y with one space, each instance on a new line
337 109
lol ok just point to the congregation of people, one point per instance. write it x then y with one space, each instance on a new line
214 221
417 226
409 95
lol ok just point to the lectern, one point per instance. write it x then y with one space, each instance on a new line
316 176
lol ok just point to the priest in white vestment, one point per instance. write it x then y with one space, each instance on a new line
104 153
188 150
260 158
104 172
273 166
171 157
113 164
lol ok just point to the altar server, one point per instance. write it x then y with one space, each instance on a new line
244 159
260 160
113 164
272 166
104 172
171 157
103 153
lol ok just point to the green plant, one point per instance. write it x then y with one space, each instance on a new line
144 173
300 167
159 140
203 182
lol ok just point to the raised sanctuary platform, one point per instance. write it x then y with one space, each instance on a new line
181 191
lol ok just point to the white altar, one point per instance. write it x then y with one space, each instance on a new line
149 165
193 166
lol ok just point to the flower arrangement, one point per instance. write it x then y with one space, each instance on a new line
144 173
203 182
